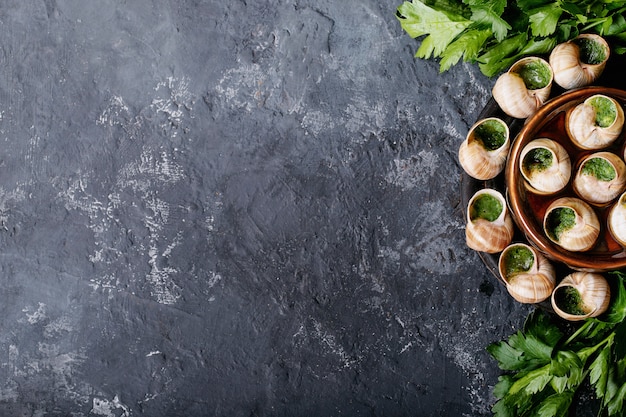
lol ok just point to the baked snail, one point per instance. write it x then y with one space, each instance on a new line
600 178
595 123
484 151
545 166
572 224
616 220
524 87
581 295
528 275
580 61
489 225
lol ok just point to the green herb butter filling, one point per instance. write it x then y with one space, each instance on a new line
600 168
560 220
569 300
606 113
591 52
517 259
491 133
486 207
535 74
537 160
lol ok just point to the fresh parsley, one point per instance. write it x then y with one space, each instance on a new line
546 365
496 33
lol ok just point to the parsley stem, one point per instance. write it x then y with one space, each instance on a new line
581 329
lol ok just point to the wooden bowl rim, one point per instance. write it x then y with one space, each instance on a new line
575 260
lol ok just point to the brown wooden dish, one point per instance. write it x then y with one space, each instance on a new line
528 207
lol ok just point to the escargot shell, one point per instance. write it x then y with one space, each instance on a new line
524 88
593 127
484 151
592 181
528 275
580 61
545 165
488 229
616 220
572 224
581 295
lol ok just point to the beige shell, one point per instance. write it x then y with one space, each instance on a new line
616 220
595 191
584 234
489 236
581 125
512 95
567 64
594 290
555 177
532 285
478 161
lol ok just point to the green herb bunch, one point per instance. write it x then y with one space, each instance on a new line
546 366
496 33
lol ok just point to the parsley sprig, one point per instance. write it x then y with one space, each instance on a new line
496 33
546 366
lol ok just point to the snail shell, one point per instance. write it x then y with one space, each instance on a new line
592 296
616 220
484 151
572 65
489 235
540 178
583 226
514 92
583 129
596 190
529 276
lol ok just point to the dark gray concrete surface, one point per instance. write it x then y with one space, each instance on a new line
236 208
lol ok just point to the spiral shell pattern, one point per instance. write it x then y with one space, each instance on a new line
594 292
476 159
532 285
585 133
585 231
616 220
489 236
567 63
596 191
512 94
553 178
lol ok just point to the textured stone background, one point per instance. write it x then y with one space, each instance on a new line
236 208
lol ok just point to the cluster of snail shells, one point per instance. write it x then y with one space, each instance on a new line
568 67
590 189
536 281
533 280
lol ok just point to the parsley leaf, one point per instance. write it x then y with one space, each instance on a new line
466 46
556 405
543 20
440 28
484 15
496 33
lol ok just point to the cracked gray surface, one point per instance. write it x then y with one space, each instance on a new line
236 208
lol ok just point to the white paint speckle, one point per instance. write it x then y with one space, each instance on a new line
412 172
316 122
109 408
329 341
36 316
174 102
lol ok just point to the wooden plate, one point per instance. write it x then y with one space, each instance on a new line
612 77
528 208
